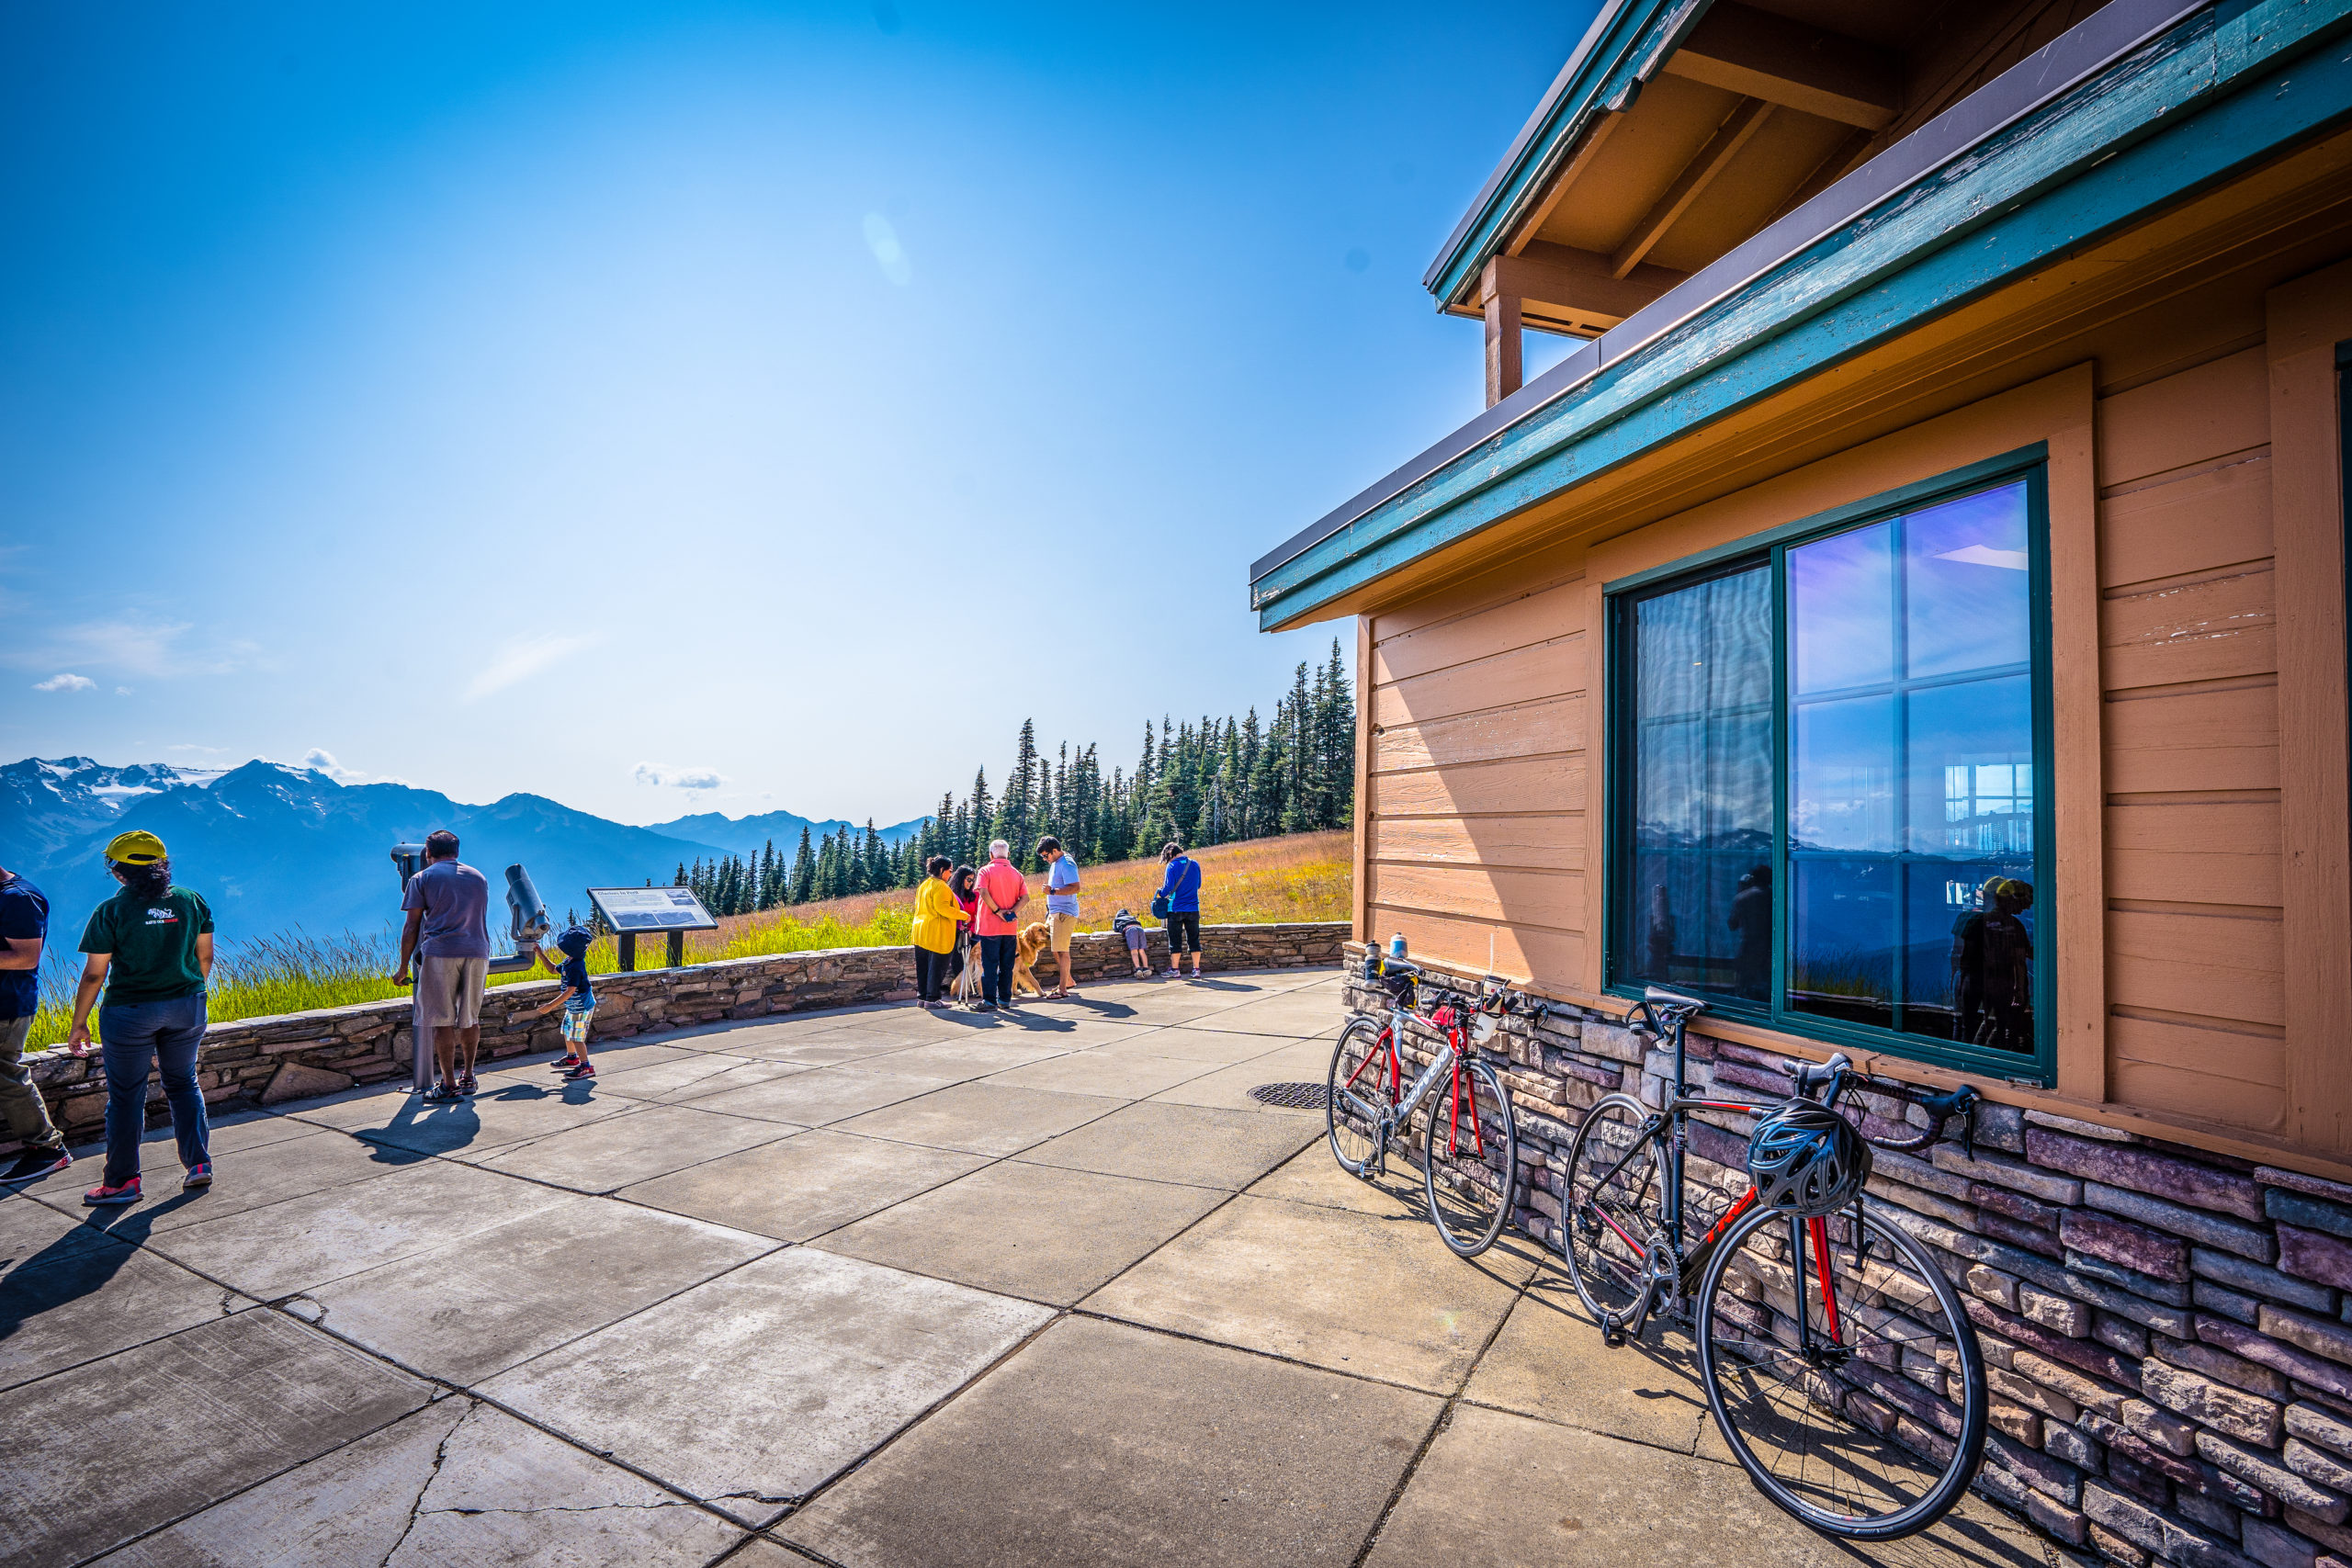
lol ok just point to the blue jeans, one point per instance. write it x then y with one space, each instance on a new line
130 1038
996 968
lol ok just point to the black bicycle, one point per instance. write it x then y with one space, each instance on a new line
1838 1362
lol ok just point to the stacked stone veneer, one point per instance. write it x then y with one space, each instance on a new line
296 1055
2167 1332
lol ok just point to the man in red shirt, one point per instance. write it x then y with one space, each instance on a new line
1002 888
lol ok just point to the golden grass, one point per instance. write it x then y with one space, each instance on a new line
1301 876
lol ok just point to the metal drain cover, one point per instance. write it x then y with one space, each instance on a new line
1292 1095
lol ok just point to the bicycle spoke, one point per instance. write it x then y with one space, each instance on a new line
1470 1183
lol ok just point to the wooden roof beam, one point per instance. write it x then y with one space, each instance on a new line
1760 55
1711 160
1561 283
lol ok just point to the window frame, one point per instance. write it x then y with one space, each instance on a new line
1770 548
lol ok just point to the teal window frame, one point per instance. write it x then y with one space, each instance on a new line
1770 548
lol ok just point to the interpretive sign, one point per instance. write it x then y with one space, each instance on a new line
629 910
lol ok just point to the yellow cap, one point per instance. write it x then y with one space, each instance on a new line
137 847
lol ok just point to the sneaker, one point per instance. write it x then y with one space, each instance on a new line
564 1064
466 1086
440 1094
585 1070
984 1007
103 1197
198 1176
34 1164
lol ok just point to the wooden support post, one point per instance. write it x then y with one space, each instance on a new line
677 950
628 953
1502 335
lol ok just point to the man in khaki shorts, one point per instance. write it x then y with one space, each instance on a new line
448 935
1061 905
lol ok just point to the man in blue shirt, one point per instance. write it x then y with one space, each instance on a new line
1061 905
24 930
447 934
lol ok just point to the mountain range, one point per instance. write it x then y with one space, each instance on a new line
273 847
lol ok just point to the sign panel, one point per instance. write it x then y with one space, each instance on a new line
652 909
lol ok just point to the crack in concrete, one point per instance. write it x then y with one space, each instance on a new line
564 1508
416 1511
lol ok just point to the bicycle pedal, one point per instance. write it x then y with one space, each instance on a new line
1612 1331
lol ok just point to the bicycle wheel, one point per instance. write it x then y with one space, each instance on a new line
1862 1414
1360 1088
1613 1204
1469 1158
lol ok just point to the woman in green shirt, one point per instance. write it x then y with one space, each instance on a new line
150 947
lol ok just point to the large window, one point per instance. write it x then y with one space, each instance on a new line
1829 777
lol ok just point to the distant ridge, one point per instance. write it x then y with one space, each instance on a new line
749 835
272 846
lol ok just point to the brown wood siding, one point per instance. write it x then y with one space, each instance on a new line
1476 788
2190 663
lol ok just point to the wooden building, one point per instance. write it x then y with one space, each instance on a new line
1914 616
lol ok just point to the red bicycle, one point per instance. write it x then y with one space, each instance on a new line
1467 1140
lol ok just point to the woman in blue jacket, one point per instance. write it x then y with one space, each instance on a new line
1180 892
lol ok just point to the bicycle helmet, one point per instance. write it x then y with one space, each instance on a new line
1806 1161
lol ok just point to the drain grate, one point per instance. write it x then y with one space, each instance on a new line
1292 1095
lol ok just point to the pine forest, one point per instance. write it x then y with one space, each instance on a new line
1213 782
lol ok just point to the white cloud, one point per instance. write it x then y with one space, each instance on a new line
664 774
122 691
321 760
523 657
66 683
129 645
883 240
192 746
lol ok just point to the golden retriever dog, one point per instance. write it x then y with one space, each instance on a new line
1034 936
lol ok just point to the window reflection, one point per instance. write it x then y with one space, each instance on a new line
1702 699
1911 774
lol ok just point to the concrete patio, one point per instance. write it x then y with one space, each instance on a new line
874 1287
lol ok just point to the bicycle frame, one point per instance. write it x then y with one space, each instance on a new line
1666 1126
1449 1059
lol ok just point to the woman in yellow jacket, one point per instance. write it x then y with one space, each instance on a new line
937 914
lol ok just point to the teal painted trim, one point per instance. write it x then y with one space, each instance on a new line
1836 517
1623 50
2120 146
1770 548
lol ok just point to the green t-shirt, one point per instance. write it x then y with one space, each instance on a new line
154 943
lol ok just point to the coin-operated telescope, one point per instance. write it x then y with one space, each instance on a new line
527 915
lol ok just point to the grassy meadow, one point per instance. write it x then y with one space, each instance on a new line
1301 876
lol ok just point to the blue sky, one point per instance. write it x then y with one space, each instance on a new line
565 398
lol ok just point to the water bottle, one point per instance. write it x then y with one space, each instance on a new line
1396 945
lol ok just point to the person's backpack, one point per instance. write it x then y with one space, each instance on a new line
1159 906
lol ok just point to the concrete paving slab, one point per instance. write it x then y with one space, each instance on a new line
1378 1298
249 1179
651 1140
748 1391
1181 1043
822 1049
691 1076
506 1112
232 1134
70 1293
1549 1362
1303 1062
109 1450
303 1243
458 1483
1293 1015
804 1184
617 1058
1313 1175
1103 1445
980 1118
1113 1075
814 1098
1191 1144
1027 1230
1504 1490
469 1308
956 1060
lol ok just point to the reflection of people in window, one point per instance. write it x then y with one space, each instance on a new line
2008 969
1968 963
1751 921
1658 941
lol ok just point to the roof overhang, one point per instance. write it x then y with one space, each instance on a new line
2135 108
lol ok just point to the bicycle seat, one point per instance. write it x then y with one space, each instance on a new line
1811 1075
1659 996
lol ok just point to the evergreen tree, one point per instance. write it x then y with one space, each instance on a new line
803 885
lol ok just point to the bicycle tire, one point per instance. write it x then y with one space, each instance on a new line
1875 1409
1609 1279
1472 1232
1354 1149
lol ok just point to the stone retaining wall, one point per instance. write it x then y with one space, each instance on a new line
2167 1332
296 1055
